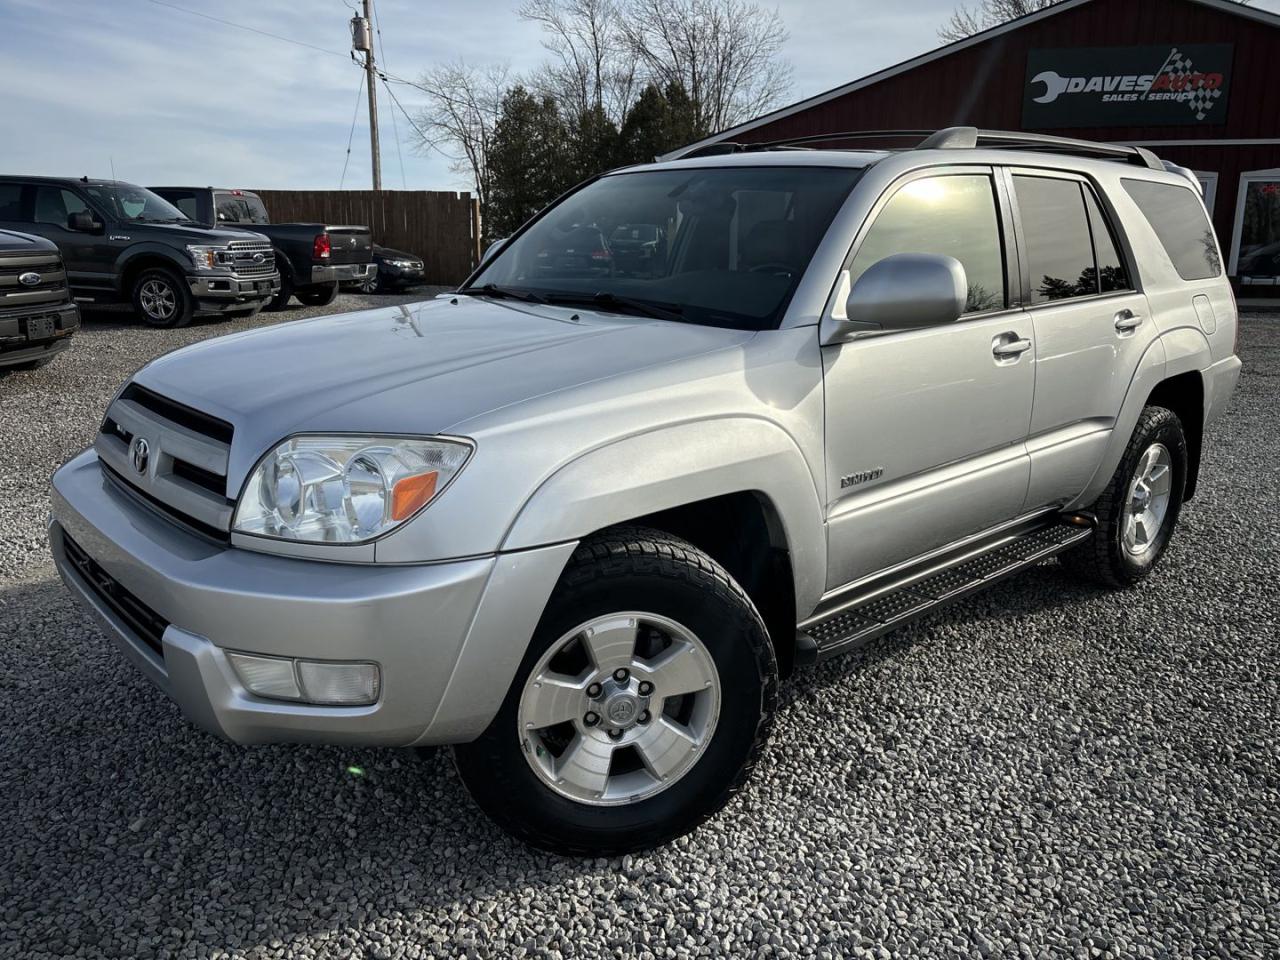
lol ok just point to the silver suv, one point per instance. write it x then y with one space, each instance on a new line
696 424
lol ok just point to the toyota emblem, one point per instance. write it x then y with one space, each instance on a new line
140 455
29 279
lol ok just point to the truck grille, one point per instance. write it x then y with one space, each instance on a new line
244 251
51 287
173 455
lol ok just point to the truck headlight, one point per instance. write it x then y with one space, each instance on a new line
345 489
209 258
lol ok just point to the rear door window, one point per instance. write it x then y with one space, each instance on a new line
952 215
1112 274
1177 216
1055 230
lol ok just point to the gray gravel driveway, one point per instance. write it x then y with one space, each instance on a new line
1046 770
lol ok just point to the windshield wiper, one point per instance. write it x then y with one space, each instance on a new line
503 293
648 308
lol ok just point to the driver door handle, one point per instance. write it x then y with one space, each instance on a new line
1127 320
1009 349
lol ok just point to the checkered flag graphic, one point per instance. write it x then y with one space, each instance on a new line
1200 100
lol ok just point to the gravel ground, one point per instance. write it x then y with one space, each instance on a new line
1046 770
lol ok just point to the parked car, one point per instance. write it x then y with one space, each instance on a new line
392 270
122 243
314 258
37 317
579 526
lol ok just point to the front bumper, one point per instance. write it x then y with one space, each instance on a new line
229 292
341 272
402 276
37 332
447 637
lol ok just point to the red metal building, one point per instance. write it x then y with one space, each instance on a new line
1193 80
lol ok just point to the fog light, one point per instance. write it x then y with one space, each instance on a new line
339 683
266 676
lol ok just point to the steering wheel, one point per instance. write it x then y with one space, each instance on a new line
777 268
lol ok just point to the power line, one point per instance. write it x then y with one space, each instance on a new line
241 26
395 127
352 132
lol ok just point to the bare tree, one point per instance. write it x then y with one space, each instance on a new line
463 106
724 53
967 20
590 67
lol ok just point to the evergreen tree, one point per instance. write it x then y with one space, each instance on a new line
530 161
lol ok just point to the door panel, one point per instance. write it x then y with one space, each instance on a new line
1091 331
943 420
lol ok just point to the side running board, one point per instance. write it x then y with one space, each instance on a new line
889 602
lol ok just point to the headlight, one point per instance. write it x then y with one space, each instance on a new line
345 489
405 264
207 258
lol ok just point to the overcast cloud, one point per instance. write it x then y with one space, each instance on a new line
173 98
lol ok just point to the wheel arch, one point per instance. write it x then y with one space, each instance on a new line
144 259
693 480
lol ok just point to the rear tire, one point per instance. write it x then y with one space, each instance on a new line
161 298
318 296
1139 509
656 607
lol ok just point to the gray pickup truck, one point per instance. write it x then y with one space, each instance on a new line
581 516
314 259
37 317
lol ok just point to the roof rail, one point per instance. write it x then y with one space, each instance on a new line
966 138
950 138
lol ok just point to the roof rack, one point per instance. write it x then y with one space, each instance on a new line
950 138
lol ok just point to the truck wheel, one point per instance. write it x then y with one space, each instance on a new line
161 298
281 300
643 702
318 296
1139 509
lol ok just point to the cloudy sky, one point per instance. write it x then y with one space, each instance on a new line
168 96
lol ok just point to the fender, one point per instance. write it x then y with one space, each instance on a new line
676 465
1180 350
147 248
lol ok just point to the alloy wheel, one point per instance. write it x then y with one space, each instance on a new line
619 708
1147 502
158 299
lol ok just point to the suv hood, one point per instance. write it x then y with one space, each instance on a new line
420 368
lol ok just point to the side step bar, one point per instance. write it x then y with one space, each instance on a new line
888 603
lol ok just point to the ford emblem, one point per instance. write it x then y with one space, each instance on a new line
259 258
29 279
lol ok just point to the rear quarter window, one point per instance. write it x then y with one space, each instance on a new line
1177 216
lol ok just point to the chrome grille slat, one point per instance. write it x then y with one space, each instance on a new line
52 287
243 251
200 442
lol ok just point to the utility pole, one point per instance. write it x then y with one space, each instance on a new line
362 42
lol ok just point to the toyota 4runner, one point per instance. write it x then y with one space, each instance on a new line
578 518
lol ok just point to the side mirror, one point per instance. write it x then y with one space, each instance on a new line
906 291
82 221
493 248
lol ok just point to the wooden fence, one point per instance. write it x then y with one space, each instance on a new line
440 227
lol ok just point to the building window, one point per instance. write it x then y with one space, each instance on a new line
1256 244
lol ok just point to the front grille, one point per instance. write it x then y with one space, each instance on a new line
184 468
243 252
51 288
137 616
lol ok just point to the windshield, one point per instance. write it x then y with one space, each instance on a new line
240 208
724 246
128 202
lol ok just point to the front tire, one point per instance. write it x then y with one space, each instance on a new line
161 298
1139 509
643 702
372 283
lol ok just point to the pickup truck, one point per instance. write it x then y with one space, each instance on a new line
122 243
37 317
579 524
314 258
